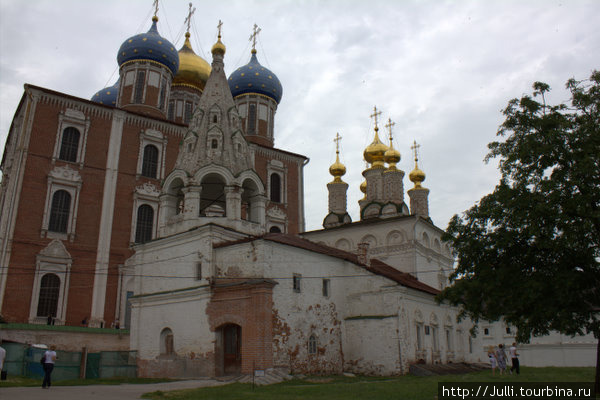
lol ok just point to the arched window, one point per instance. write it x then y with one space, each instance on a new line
188 112
275 188
145 220
275 229
138 94
167 345
59 212
312 344
48 299
69 145
252 119
150 161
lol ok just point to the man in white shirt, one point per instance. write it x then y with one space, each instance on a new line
2 357
514 356
49 360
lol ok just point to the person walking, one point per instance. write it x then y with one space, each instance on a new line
49 360
501 358
514 358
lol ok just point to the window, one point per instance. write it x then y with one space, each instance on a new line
448 340
214 144
48 299
296 282
326 283
171 111
274 229
59 212
188 112
275 188
252 119
470 344
426 329
312 345
486 331
434 338
69 145
215 119
167 345
163 93
145 219
138 94
508 330
198 271
150 161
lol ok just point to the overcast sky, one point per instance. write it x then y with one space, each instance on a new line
441 70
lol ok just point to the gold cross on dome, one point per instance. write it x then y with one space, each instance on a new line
337 142
188 20
255 31
155 8
415 148
219 25
375 115
389 125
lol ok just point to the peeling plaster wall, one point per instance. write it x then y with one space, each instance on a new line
375 353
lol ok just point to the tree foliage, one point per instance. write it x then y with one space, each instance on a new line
529 252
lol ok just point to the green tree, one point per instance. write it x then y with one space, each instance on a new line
529 252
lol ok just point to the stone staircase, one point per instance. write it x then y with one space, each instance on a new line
272 375
446 369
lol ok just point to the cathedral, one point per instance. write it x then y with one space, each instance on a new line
162 207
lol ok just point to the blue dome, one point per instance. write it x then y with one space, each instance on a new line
254 78
108 95
149 46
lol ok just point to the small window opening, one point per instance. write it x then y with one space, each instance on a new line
296 282
312 345
326 284
214 144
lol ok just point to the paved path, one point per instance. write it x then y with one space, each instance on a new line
99 392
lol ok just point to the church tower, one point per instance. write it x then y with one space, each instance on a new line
257 93
213 180
147 64
189 82
338 189
419 204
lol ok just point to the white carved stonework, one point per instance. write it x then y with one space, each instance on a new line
276 213
56 250
72 113
147 189
153 133
65 173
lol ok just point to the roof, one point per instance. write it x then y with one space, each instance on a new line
375 266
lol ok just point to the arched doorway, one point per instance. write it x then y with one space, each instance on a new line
230 336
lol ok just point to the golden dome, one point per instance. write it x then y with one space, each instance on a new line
417 176
391 156
218 48
375 152
193 69
337 169
363 188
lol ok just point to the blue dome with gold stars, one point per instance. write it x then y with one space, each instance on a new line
254 78
149 46
108 95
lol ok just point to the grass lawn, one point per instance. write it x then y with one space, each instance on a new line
382 388
22 381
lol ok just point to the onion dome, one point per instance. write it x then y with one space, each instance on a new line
416 176
149 46
256 79
218 48
337 169
374 153
193 69
363 188
108 95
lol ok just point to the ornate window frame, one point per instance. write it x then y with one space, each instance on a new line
71 118
145 194
277 167
157 139
69 180
53 259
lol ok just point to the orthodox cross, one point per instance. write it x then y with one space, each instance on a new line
415 148
188 20
155 8
337 143
219 25
389 125
374 116
255 32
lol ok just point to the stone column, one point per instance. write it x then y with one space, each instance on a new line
191 202
233 202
